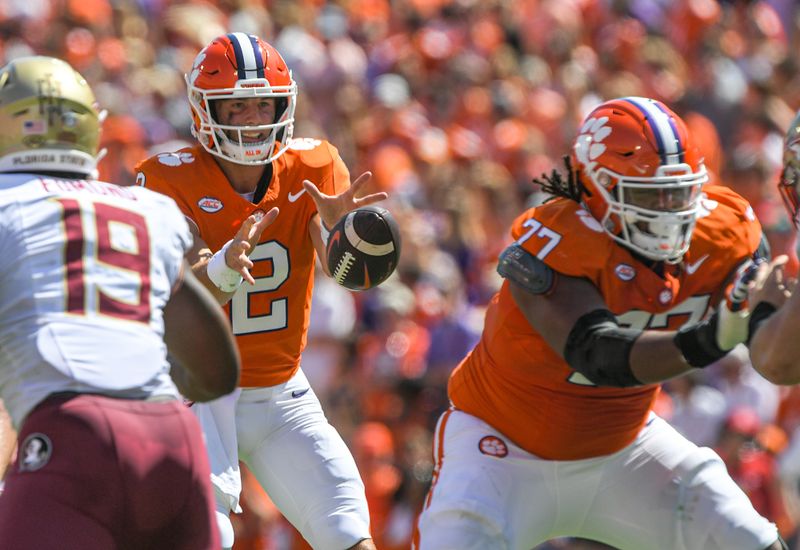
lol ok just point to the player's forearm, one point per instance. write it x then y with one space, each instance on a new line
8 440
775 347
198 258
188 384
655 358
199 337
319 239
200 271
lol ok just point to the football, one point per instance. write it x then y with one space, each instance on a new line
363 248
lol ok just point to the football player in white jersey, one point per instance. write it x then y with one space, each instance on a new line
108 456
774 346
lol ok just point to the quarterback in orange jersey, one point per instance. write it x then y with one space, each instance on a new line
551 431
774 346
245 171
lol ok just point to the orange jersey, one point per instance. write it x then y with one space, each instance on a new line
514 381
270 319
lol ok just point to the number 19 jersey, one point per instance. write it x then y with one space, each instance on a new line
88 267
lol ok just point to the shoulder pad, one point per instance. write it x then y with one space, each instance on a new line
311 153
523 268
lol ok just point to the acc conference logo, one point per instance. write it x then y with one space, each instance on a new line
34 452
210 204
625 272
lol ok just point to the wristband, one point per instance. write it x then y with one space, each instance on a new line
326 234
223 277
761 313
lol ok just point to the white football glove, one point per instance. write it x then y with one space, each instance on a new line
733 311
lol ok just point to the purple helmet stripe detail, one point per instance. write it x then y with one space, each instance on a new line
668 139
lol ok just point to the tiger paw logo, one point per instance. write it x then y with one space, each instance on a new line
196 66
210 204
493 446
304 144
175 159
589 145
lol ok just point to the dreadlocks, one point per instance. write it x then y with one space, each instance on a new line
557 185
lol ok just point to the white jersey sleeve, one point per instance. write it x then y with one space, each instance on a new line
88 268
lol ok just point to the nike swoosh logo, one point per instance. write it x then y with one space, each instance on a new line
694 266
299 393
294 196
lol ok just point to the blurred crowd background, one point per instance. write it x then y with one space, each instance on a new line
456 105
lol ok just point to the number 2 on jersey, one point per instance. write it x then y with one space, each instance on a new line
243 320
115 241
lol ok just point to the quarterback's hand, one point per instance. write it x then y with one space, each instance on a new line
771 284
237 255
332 208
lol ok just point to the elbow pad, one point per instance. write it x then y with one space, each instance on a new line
598 348
698 343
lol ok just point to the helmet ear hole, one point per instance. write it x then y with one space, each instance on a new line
212 110
281 104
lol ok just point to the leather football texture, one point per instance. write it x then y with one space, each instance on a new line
364 248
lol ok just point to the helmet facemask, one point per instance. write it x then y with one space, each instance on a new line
653 216
227 141
642 176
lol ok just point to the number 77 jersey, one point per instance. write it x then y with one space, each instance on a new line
270 319
514 381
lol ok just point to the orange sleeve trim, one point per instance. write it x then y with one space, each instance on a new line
438 460
439 456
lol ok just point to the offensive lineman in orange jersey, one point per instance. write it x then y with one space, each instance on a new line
245 170
551 431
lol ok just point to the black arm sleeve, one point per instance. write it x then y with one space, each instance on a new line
600 349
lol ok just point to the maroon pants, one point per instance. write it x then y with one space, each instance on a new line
95 473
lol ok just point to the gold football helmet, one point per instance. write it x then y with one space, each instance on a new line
49 119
